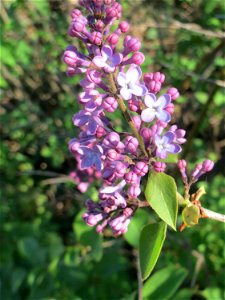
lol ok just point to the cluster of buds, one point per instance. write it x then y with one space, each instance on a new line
113 78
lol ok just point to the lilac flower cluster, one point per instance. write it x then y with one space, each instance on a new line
112 76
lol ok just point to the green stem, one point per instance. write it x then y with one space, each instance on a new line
126 114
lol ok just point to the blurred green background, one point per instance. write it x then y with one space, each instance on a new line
47 252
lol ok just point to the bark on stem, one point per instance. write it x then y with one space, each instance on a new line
126 114
205 213
212 215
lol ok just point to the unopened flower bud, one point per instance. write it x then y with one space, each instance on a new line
195 174
138 58
140 168
146 134
70 57
131 177
131 144
159 166
134 191
100 132
113 155
76 13
173 92
134 44
154 86
133 105
96 38
137 121
120 169
110 104
207 165
124 26
113 39
170 108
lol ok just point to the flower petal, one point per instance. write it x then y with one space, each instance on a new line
173 148
138 89
116 59
147 115
99 61
163 101
121 79
163 115
150 100
133 74
168 137
106 52
125 93
109 69
161 153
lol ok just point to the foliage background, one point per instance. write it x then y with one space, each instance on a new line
46 250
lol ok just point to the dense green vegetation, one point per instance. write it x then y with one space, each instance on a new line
47 251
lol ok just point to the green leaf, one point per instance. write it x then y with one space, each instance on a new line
161 195
151 242
171 158
164 283
138 221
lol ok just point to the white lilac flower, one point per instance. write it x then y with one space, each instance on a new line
156 108
129 83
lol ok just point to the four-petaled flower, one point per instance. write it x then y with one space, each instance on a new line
165 144
107 60
156 108
129 83
91 120
91 157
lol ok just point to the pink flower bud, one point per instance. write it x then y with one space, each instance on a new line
159 166
113 155
173 92
131 177
111 12
134 191
99 25
100 132
124 26
154 86
133 105
78 24
138 58
110 104
140 168
113 39
196 171
111 140
159 77
137 121
120 169
131 144
70 58
182 164
96 38
207 165
170 108
75 13
93 76
146 134
134 44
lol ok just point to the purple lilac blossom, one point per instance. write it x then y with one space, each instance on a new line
129 83
156 108
107 60
165 145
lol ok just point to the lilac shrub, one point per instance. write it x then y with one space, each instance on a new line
112 80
